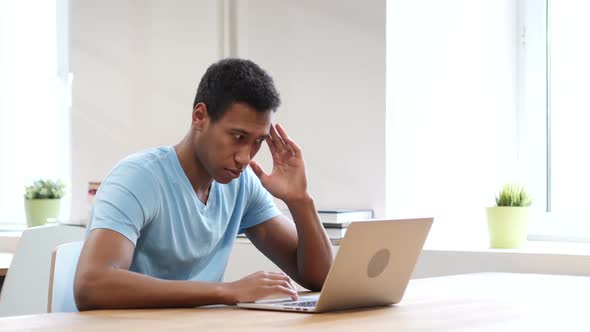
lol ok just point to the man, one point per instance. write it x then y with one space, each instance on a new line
164 220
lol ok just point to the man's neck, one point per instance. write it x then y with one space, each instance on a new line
194 170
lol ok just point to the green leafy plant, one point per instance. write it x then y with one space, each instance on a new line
41 189
513 195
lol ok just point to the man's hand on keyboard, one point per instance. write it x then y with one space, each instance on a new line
258 286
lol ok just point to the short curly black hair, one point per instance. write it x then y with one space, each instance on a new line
236 80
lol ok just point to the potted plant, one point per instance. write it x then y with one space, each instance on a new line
43 200
508 220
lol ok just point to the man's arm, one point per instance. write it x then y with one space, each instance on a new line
302 250
103 281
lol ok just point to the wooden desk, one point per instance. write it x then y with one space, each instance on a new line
475 302
5 259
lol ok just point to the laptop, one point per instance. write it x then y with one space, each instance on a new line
372 268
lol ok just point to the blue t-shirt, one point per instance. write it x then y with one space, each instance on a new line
148 199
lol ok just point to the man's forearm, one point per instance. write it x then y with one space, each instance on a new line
314 250
117 288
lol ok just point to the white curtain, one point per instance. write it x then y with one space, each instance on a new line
34 100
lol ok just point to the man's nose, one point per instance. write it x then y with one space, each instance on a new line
242 157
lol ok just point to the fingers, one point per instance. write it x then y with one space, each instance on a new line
279 276
276 141
257 169
279 141
293 285
271 145
289 144
284 290
286 282
261 285
281 282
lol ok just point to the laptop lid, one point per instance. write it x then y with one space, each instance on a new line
374 264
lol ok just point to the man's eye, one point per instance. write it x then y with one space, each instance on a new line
238 137
259 141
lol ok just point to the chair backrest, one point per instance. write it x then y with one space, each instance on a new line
25 288
61 277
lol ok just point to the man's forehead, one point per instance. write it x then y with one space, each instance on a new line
242 117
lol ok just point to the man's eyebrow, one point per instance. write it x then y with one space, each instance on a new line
240 131
245 133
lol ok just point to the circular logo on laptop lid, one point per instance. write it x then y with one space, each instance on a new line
378 263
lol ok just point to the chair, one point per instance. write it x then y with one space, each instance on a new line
25 288
61 277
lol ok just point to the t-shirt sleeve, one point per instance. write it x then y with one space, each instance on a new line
260 206
126 201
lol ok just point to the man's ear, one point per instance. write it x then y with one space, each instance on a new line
200 116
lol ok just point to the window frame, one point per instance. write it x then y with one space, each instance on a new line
534 127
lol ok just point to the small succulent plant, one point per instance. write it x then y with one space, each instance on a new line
513 195
41 189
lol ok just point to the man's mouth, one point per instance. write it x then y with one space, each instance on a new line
233 173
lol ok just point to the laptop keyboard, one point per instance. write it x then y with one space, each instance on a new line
307 304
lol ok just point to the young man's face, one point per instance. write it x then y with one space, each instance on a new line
226 147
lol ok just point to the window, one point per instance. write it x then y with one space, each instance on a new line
451 111
569 102
34 100
478 96
561 54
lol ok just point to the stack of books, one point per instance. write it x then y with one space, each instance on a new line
336 221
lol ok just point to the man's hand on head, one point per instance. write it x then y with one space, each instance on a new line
303 248
288 180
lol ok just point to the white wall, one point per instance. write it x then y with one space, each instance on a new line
136 67
328 60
